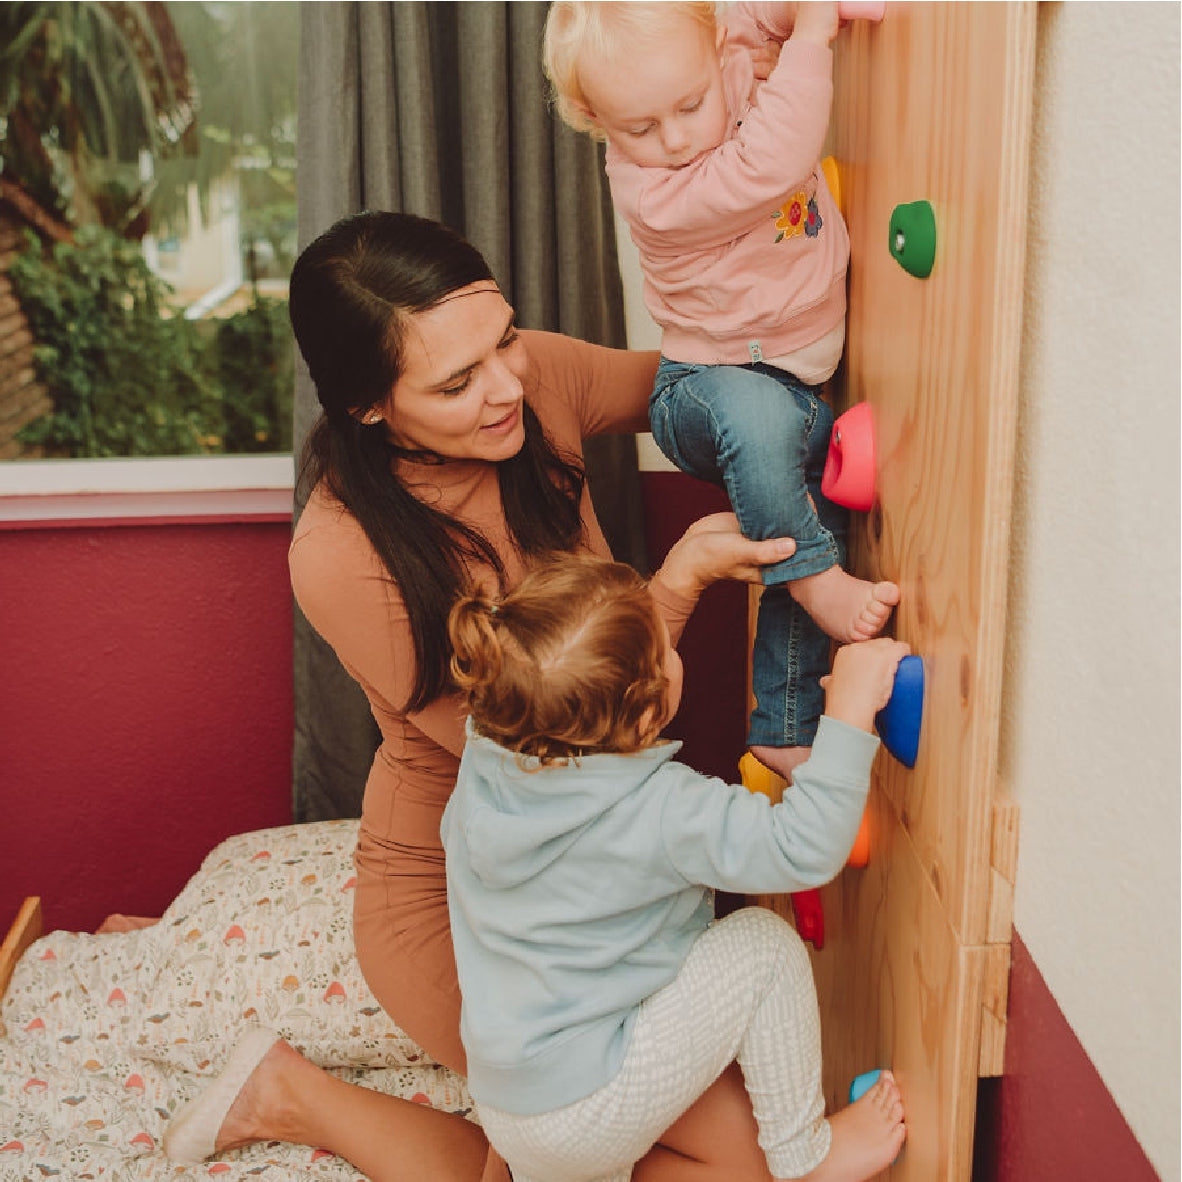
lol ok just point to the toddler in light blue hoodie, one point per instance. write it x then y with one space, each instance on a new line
600 997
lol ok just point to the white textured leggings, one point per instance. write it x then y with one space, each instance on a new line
745 992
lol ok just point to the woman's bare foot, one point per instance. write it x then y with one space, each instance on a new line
269 1092
867 1136
263 1107
844 607
781 760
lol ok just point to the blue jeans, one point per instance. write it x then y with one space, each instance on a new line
763 435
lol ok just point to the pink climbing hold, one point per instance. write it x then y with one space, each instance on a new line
861 10
850 473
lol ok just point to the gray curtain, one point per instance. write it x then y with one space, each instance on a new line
440 110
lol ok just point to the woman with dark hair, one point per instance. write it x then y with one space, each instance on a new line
448 456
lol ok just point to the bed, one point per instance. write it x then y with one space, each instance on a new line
104 1037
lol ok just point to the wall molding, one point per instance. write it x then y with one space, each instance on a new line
60 493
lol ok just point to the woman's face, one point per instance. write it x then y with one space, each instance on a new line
460 392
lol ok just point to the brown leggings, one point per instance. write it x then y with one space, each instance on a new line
406 955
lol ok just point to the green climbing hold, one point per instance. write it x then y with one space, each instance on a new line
913 238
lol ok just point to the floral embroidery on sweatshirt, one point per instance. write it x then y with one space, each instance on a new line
798 215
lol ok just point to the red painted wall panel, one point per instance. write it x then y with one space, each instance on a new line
145 707
712 719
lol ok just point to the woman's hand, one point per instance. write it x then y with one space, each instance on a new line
714 548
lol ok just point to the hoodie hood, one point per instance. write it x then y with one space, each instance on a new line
520 816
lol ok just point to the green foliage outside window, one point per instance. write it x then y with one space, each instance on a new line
87 88
130 376
254 371
113 117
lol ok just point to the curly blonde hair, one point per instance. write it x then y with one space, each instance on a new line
568 663
578 28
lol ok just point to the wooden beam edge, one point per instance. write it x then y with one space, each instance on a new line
1003 872
24 930
994 1003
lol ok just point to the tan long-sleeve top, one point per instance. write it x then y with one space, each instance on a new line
577 390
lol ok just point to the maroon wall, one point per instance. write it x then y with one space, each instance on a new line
145 708
712 720
146 702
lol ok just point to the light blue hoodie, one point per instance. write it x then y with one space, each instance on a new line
575 892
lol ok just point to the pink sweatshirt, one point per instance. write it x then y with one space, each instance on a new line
727 274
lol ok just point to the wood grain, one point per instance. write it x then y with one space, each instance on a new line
933 103
897 989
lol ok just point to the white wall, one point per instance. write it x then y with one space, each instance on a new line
1091 722
643 333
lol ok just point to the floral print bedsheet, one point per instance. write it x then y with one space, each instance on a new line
104 1038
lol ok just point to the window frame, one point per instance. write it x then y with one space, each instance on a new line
150 490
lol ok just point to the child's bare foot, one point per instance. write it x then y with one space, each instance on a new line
844 607
867 1136
781 760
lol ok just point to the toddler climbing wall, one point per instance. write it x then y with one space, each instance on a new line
933 104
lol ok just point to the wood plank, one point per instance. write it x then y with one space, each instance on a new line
898 990
24 930
1003 871
999 932
934 103
994 1004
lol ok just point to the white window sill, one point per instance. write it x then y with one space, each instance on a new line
649 456
189 488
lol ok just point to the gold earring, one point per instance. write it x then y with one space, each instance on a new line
373 418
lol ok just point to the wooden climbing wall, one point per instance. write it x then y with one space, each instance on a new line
934 103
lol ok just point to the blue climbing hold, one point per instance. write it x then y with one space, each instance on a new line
899 721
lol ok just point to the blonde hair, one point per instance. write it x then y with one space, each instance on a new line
576 29
568 663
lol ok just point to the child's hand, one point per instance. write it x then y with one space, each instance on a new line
862 680
763 60
815 22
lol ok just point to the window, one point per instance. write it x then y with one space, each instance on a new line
147 229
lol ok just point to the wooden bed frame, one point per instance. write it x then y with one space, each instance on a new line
24 930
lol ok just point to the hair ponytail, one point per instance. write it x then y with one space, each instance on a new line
475 646
569 663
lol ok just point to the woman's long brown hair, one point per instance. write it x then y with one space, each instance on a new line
351 292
